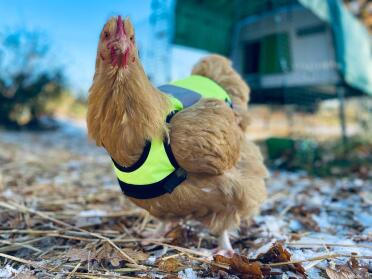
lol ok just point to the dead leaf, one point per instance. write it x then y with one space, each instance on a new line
82 255
169 265
305 216
278 254
222 259
115 262
181 236
333 274
349 270
107 254
138 256
354 261
241 266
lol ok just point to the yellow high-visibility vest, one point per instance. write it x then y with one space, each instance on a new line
157 172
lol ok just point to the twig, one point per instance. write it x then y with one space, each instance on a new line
69 237
73 271
140 239
128 269
12 246
323 257
181 249
172 256
304 245
90 276
54 268
52 233
312 264
146 219
109 214
16 259
14 206
208 262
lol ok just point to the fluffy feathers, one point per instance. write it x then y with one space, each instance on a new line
226 173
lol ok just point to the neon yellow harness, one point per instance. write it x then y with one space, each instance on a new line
157 172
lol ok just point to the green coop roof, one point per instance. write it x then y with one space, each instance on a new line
209 25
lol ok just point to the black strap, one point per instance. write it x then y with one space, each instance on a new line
146 151
167 146
149 191
166 185
139 163
170 116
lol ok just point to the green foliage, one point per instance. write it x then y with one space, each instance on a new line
67 105
333 158
27 81
342 159
292 154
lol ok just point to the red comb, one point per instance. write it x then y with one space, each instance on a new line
120 31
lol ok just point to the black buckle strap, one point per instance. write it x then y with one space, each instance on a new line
149 191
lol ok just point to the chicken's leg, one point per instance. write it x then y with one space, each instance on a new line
224 245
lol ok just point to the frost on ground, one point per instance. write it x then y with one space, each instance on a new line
62 215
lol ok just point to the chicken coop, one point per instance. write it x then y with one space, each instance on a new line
294 54
289 51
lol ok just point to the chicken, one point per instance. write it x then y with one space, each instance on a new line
223 172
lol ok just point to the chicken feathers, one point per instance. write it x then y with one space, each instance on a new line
226 174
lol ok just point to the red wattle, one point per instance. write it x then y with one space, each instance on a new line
113 56
124 58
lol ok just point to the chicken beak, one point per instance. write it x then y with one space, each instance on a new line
119 47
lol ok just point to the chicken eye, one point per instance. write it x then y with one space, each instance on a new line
132 39
106 34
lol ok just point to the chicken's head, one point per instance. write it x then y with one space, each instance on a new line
117 47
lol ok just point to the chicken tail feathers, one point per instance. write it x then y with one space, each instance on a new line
219 69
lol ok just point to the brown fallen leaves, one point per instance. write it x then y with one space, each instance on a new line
246 268
241 266
170 265
278 254
350 270
305 216
81 255
105 255
181 236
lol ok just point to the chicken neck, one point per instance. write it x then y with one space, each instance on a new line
129 111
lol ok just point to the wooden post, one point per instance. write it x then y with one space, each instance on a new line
341 99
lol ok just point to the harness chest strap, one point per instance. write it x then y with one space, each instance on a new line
154 174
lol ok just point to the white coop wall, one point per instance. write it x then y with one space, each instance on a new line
312 55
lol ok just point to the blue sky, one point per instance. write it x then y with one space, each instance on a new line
73 26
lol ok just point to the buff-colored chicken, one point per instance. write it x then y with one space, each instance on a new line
223 171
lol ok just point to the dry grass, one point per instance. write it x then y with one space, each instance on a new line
63 216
